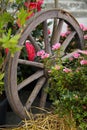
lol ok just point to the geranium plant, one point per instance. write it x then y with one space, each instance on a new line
67 83
13 17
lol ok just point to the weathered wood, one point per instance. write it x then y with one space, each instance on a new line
43 96
31 78
31 63
67 42
48 14
68 55
35 92
46 37
56 3
11 85
34 42
56 32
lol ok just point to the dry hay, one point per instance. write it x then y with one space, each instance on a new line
45 122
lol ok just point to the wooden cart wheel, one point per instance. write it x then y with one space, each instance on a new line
38 78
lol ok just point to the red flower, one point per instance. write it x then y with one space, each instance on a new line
6 50
39 3
27 4
31 6
34 5
30 51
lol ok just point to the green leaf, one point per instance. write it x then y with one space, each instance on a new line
1 76
5 18
1 83
5 38
10 42
11 1
22 16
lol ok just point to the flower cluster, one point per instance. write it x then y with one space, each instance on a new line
80 57
68 82
13 17
42 54
34 5
32 8
30 51
66 33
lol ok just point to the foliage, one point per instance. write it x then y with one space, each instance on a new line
68 82
67 78
13 17
1 83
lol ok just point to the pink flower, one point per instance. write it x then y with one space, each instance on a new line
67 70
49 71
46 55
57 67
78 69
76 55
71 58
40 53
83 27
83 52
56 46
49 31
76 96
30 51
83 62
63 35
85 37
68 32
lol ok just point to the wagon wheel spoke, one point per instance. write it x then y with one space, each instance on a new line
44 95
31 63
31 78
38 78
33 41
67 42
46 37
35 92
70 54
57 31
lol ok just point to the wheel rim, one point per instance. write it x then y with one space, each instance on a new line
12 88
